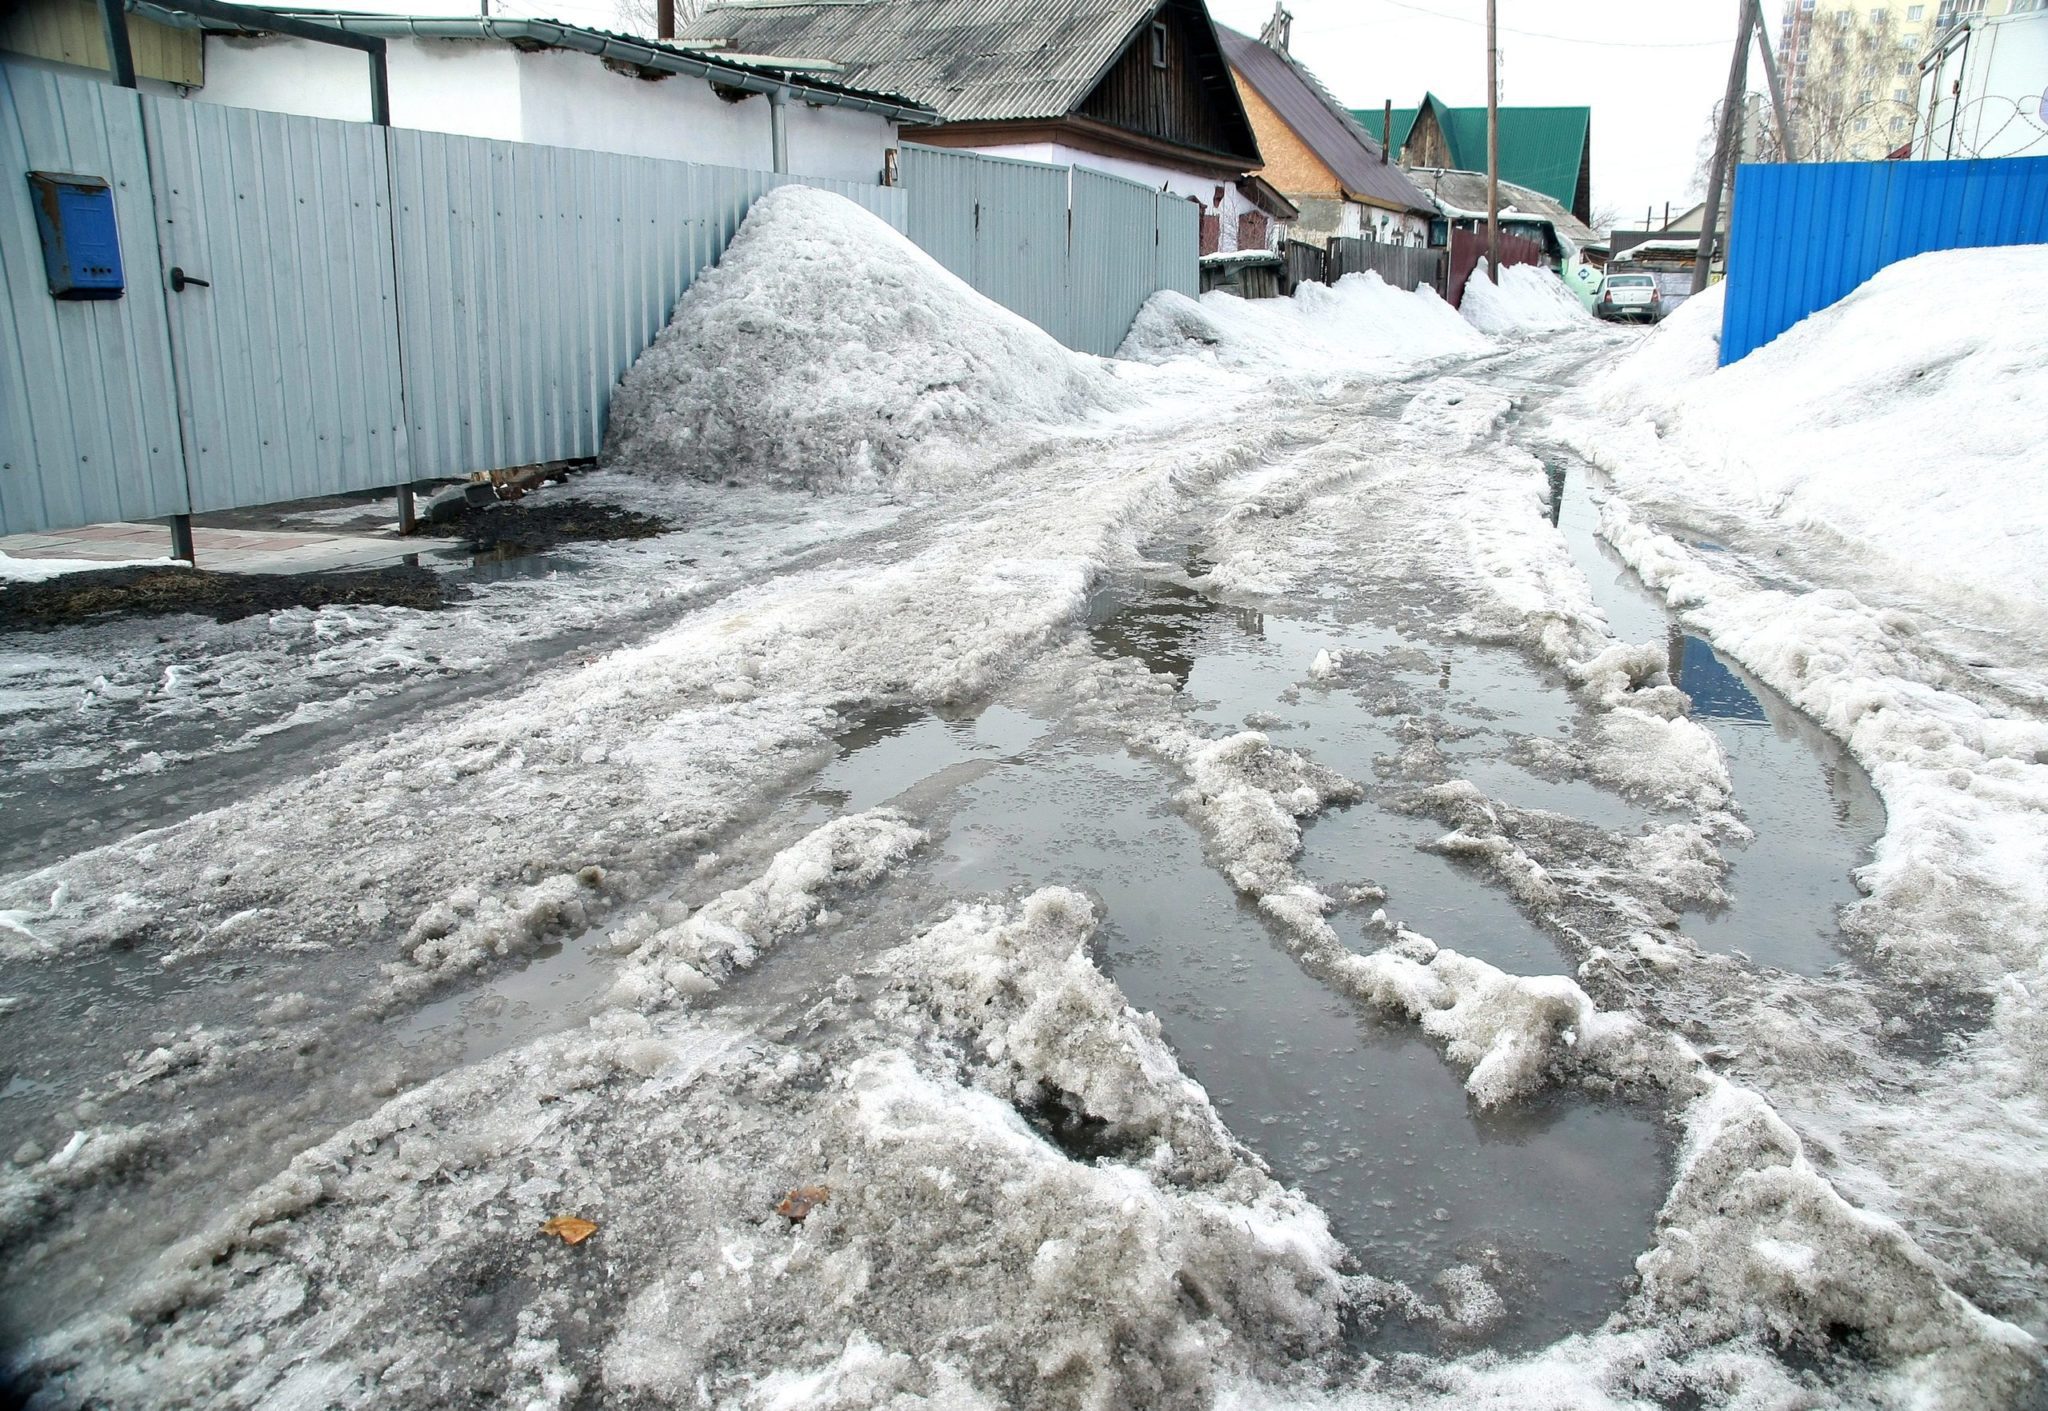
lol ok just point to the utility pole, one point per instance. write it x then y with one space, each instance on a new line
1724 145
1763 40
1492 142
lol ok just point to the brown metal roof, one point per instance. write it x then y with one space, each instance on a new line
971 60
1321 123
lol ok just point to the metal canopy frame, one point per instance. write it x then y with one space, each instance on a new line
250 17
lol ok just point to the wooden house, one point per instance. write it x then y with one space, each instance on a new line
1316 154
1138 88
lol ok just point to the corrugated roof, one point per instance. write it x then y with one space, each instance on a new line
971 60
1465 192
1542 148
1321 123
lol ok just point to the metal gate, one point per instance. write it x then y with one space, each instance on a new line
275 235
88 417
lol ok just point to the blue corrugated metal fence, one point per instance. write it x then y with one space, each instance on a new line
1078 252
1805 236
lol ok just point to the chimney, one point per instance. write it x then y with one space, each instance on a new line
1279 30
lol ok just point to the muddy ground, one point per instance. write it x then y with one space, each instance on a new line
225 597
532 525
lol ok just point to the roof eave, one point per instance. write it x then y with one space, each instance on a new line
598 43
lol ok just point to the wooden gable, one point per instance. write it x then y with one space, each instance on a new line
1171 84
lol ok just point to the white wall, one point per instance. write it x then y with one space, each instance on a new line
464 86
838 143
557 97
572 100
1198 188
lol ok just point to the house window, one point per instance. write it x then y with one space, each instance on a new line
1898 95
1877 16
1916 13
1863 124
1158 46
1898 124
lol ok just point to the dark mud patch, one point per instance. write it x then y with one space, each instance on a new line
225 597
529 527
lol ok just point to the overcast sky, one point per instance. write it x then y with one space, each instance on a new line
1650 104
1652 70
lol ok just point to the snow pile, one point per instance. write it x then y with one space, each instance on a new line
825 347
19 570
1359 324
1893 422
1051 1034
690 956
1528 299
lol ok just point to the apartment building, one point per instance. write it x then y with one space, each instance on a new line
1851 69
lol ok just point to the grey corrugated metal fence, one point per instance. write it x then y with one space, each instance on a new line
384 305
1406 267
88 411
1076 251
1805 236
531 277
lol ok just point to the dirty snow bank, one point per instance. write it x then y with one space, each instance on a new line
1528 299
1359 324
1019 1201
1895 423
826 347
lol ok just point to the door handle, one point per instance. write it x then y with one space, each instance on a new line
180 279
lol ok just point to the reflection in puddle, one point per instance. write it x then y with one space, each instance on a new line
1813 810
1238 668
1363 1116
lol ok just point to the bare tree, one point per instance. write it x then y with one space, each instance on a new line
1844 102
637 16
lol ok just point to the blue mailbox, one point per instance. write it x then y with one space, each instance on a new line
81 247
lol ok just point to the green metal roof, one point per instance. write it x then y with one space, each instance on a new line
1541 148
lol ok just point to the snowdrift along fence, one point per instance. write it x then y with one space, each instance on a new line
1406 267
1077 252
1803 237
383 305
1468 248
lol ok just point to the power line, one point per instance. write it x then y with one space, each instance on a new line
1532 33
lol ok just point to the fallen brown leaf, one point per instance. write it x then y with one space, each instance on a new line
570 1229
802 1201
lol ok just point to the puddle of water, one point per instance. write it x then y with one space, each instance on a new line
1814 812
1234 664
1363 1116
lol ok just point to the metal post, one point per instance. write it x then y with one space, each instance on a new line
408 511
778 128
1492 143
1763 39
664 19
1386 131
120 59
181 539
380 87
1724 142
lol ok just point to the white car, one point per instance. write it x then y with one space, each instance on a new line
1630 296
